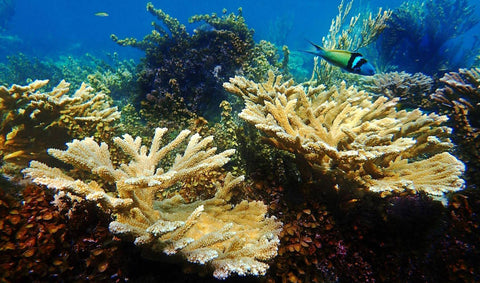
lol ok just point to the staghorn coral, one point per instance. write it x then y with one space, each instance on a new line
32 120
343 133
412 89
233 239
459 99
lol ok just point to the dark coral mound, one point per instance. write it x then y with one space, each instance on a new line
192 67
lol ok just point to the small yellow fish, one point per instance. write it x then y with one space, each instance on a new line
101 14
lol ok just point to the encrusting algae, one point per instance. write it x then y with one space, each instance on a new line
231 238
343 132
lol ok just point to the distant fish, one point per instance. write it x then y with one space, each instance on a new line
101 14
204 28
349 61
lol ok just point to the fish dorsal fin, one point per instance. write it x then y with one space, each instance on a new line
318 47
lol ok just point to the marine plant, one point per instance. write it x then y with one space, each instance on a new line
192 67
231 238
424 36
45 238
347 134
351 35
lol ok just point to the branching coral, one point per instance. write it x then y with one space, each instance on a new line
343 132
233 239
460 98
32 120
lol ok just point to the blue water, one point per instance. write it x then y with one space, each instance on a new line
56 27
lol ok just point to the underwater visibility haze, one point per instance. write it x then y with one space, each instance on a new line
242 141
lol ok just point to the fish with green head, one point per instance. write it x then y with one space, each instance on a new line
352 62
101 14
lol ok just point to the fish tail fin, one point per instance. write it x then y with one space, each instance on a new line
320 51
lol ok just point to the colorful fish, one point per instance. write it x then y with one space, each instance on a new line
101 14
349 61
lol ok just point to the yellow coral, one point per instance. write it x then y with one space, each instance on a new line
342 131
31 118
233 239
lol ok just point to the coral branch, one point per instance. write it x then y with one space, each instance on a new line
342 131
234 239
32 119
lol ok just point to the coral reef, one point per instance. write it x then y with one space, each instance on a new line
459 98
111 75
315 248
29 231
118 80
265 57
343 133
459 248
232 239
22 69
419 36
33 120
